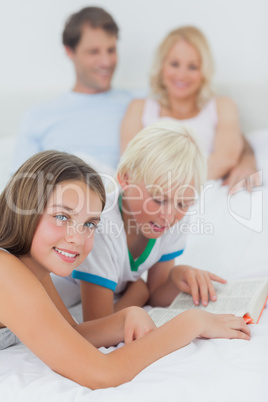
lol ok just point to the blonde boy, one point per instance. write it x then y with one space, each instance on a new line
160 174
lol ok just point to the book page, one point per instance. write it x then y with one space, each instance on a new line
232 298
161 315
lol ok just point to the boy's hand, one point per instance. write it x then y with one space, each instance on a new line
223 326
137 324
195 282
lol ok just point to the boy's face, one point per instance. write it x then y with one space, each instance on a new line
151 213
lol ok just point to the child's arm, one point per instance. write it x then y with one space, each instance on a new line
228 144
165 281
136 294
126 325
27 310
98 301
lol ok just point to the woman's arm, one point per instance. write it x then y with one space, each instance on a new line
245 174
228 144
131 123
27 310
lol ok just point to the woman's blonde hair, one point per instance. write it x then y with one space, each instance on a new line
26 195
196 38
166 154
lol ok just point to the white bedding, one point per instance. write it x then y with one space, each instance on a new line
205 370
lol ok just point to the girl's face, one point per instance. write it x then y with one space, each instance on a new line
181 74
152 214
65 233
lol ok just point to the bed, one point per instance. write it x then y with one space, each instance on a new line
205 370
228 235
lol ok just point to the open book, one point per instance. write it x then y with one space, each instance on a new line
244 298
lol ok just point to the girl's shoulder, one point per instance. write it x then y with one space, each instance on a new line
17 286
6 256
9 264
13 271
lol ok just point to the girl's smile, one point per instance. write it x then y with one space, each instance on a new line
66 255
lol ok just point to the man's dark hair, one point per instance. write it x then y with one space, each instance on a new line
95 17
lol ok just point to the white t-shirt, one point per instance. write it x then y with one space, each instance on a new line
108 264
204 123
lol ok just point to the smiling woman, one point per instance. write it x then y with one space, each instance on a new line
181 86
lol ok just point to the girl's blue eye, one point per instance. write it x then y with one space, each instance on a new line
61 217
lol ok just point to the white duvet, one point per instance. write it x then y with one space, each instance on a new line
206 370
232 243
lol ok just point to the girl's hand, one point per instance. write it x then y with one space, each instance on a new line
137 324
195 282
223 326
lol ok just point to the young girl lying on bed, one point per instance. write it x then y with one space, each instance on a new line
143 227
49 212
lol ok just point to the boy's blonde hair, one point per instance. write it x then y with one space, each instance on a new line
165 154
196 38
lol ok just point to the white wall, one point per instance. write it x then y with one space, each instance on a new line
32 57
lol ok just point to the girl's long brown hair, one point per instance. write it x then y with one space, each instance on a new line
23 200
